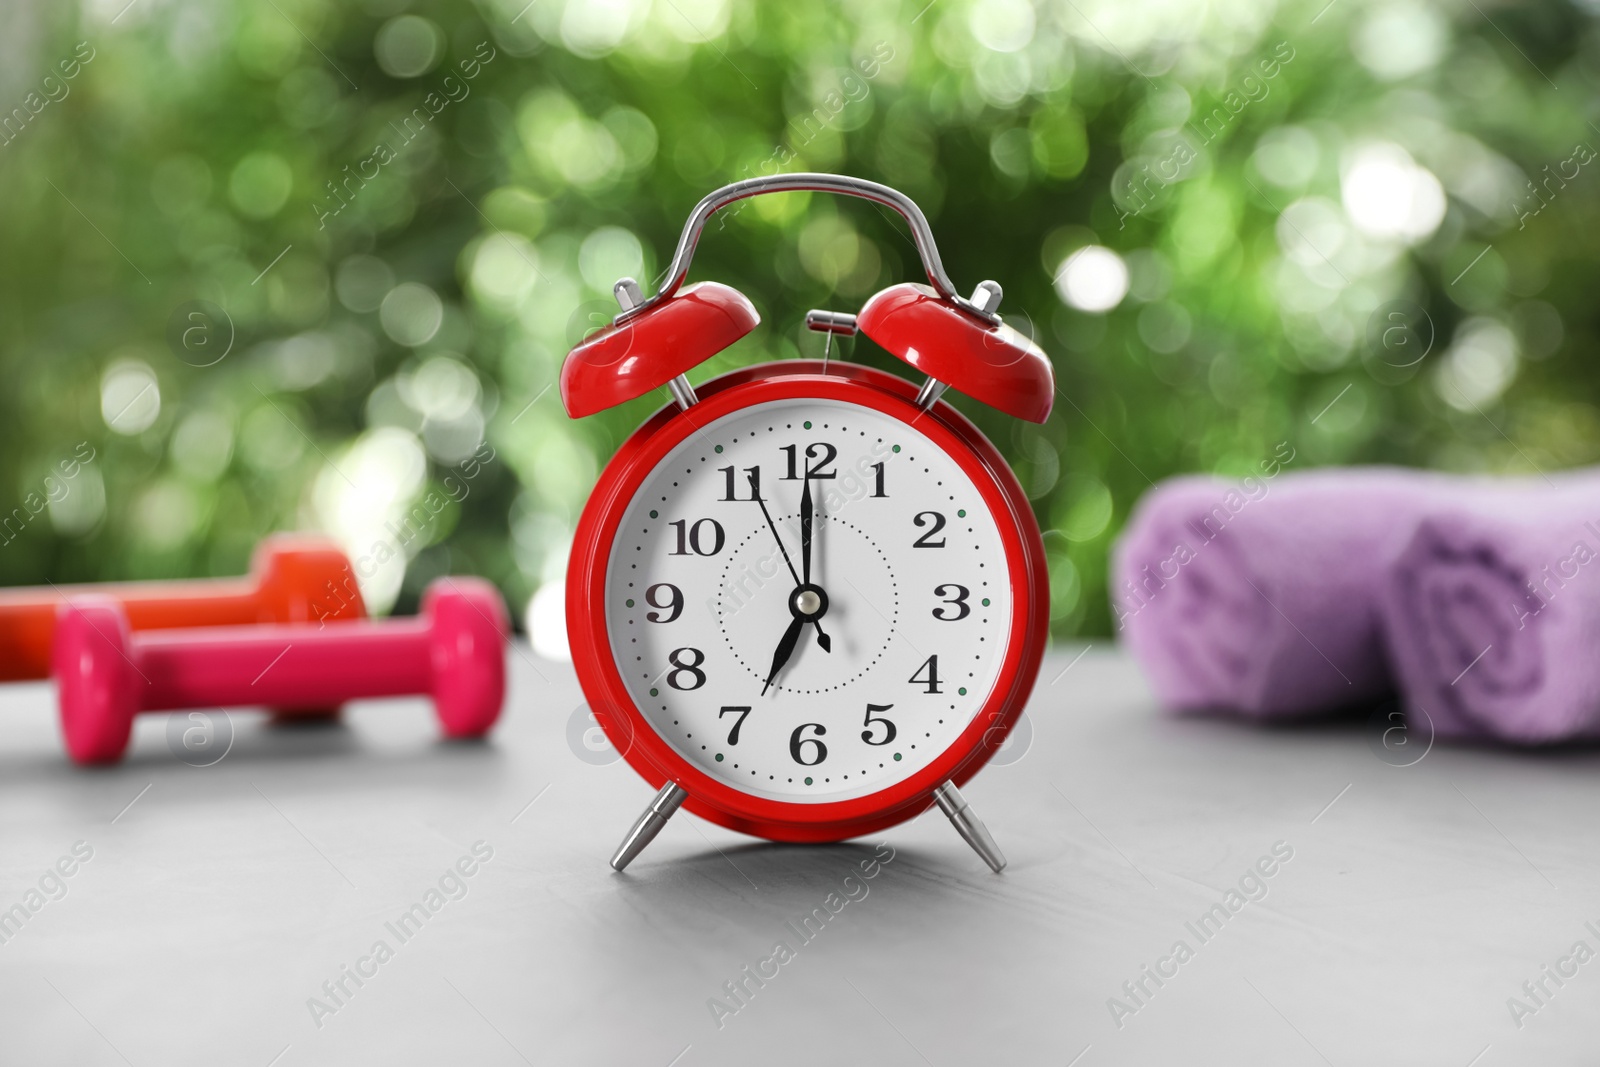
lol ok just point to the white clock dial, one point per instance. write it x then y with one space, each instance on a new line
909 587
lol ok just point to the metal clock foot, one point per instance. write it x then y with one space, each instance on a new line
668 801
968 825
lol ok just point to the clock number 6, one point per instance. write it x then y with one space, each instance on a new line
959 601
733 734
686 666
888 727
797 744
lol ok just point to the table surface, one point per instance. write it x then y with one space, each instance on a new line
218 900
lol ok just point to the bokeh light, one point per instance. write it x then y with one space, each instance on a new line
1093 279
408 215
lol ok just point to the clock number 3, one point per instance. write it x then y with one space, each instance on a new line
958 603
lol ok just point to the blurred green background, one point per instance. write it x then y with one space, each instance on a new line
285 264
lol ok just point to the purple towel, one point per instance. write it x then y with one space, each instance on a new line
1493 614
1260 597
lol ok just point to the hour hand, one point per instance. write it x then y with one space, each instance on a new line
791 637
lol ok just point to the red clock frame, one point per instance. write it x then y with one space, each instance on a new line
653 757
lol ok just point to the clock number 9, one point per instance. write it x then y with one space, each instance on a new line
687 666
797 744
674 603
959 602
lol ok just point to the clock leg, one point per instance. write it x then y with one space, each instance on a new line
968 825
654 818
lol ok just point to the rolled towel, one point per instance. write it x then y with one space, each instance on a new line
1260 596
1493 614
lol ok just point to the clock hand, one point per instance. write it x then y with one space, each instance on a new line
805 531
755 490
806 516
791 637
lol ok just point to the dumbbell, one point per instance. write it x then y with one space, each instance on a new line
293 578
454 652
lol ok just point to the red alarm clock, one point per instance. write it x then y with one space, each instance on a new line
807 598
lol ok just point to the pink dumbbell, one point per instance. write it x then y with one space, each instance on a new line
454 652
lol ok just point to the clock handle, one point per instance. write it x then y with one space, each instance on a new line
969 826
644 831
954 340
839 184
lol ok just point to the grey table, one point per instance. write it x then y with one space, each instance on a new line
218 900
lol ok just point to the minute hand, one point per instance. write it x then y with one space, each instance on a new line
805 531
805 554
755 491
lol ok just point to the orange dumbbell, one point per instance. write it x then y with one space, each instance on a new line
293 578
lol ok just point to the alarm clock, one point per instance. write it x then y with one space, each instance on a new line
807 599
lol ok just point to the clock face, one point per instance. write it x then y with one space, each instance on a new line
819 690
